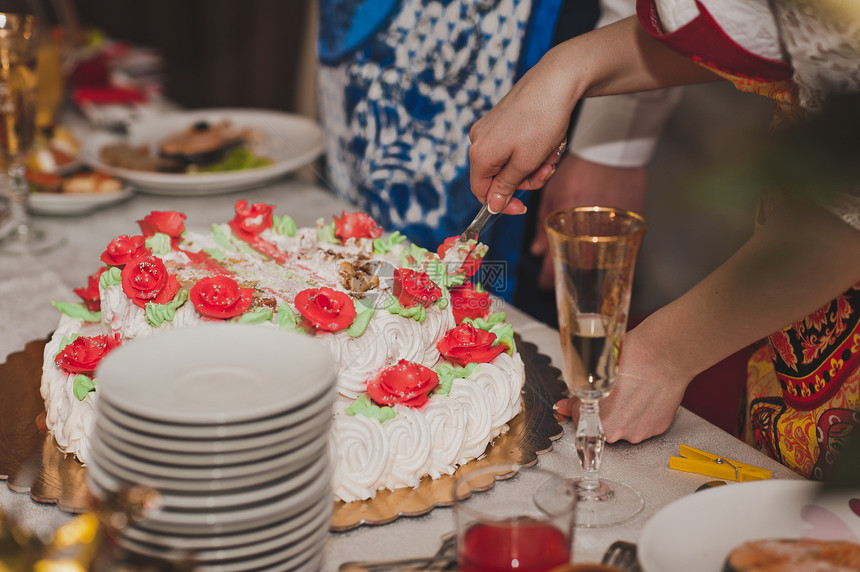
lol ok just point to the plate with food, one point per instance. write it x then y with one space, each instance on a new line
206 152
74 193
740 526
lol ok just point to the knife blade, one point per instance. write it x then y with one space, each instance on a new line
460 250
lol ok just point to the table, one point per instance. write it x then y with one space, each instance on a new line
27 286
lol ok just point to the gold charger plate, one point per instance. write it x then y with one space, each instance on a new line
31 462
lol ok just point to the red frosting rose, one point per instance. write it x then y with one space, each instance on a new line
90 295
355 225
467 302
123 249
220 297
84 354
146 279
467 344
170 223
405 382
326 309
412 287
252 219
470 265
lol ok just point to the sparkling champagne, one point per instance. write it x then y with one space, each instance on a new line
590 354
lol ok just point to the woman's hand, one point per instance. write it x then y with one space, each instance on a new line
518 144
645 397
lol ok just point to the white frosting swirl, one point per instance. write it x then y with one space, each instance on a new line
410 444
388 339
69 419
363 457
447 421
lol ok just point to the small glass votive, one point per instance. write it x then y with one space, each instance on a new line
524 524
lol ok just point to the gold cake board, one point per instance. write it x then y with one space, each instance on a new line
31 462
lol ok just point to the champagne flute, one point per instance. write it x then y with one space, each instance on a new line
594 251
19 43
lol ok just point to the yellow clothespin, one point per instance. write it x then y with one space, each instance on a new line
696 461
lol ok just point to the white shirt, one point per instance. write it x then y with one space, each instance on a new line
621 130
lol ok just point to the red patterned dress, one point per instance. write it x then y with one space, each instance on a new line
803 385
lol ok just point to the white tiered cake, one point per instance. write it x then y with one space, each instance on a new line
420 392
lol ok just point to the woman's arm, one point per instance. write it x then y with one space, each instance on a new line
800 259
525 129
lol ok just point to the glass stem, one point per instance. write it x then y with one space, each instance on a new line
589 443
18 198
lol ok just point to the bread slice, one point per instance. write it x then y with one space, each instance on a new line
794 555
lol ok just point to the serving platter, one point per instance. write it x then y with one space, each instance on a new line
31 462
698 531
290 141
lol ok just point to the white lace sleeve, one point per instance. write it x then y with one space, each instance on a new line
823 46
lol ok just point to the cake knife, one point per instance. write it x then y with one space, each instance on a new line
460 250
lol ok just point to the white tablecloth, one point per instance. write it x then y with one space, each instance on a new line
27 286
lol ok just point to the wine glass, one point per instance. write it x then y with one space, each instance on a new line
594 251
513 532
19 45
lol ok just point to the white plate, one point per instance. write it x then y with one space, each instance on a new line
178 477
245 519
280 421
215 501
288 543
297 524
697 532
209 446
291 141
75 203
217 373
281 442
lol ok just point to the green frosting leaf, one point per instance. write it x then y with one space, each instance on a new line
364 310
437 273
215 253
284 225
439 276
64 342
157 314
495 324
77 311
416 312
326 234
448 372
505 336
487 323
414 252
159 243
221 238
287 319
243 246
229 244
364 406
82 385
110 277
256 316
386 245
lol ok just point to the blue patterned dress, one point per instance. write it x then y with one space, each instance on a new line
401 83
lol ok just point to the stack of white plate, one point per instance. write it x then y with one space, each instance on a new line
229 423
